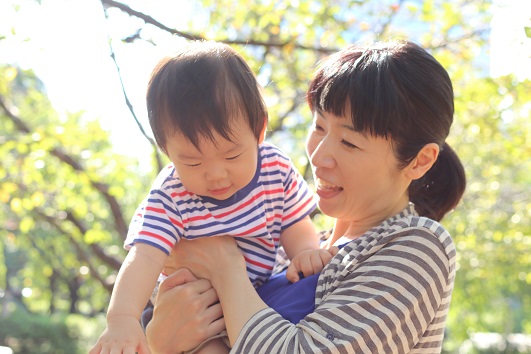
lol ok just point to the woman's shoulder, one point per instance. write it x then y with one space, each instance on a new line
421 228
408 221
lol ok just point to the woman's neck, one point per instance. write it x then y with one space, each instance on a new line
353 229
347 229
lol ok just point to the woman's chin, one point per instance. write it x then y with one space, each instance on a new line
328 206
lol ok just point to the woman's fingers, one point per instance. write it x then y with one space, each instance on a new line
210 296
214 312
186 313
179 277
217 326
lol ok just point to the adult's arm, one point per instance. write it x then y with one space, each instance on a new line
186 313
388 300
380 299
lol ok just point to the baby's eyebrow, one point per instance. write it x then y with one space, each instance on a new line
236 147
188 157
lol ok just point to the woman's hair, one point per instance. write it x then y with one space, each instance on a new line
200 89
397 90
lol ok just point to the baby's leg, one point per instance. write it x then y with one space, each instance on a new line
215 346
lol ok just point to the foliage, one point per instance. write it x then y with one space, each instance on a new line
60 181
28 334
493 226
65 196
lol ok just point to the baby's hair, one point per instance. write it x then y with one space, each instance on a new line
397 90
201 89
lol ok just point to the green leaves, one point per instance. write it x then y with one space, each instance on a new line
57 178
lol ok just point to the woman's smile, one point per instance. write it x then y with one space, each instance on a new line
327 190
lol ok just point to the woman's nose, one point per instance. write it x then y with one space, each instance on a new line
323 155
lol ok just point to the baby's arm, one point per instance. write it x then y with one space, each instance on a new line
301 243
134 284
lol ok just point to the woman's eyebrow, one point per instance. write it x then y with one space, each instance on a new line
320 113
349 127
354 130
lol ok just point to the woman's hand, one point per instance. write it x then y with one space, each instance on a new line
186 313
219 260
209 257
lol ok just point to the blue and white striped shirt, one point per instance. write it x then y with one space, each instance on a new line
256 215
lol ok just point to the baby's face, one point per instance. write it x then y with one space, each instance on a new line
219 168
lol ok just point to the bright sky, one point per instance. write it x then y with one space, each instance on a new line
67 47
510 48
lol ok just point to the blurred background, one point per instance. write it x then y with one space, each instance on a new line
77 154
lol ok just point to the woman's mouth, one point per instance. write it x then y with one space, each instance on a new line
327 190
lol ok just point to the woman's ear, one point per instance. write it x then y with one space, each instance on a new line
423 162
261 138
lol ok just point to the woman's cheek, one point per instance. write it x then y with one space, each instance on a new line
311 143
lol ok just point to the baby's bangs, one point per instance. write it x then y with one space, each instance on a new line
202 110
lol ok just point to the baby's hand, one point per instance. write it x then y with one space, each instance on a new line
122 335
309 262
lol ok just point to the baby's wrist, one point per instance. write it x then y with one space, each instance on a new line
119 317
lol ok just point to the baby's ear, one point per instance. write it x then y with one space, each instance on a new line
261 138
423 162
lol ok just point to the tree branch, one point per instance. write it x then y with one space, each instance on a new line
447 41
130 105
389 19
79 251
113 262
150 20
119 222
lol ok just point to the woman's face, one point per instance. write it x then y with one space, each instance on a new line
356 175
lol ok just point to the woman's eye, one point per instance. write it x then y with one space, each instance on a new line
347 144
317 127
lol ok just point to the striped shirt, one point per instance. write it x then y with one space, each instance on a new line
275 199
387 291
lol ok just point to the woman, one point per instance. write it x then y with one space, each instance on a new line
386 175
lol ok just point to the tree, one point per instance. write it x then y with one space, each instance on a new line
66 197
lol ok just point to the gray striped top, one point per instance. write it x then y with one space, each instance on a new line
388 291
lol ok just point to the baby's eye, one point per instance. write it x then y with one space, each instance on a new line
192 165
234 157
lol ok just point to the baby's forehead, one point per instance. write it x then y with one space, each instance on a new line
212 141
207 147
197 128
